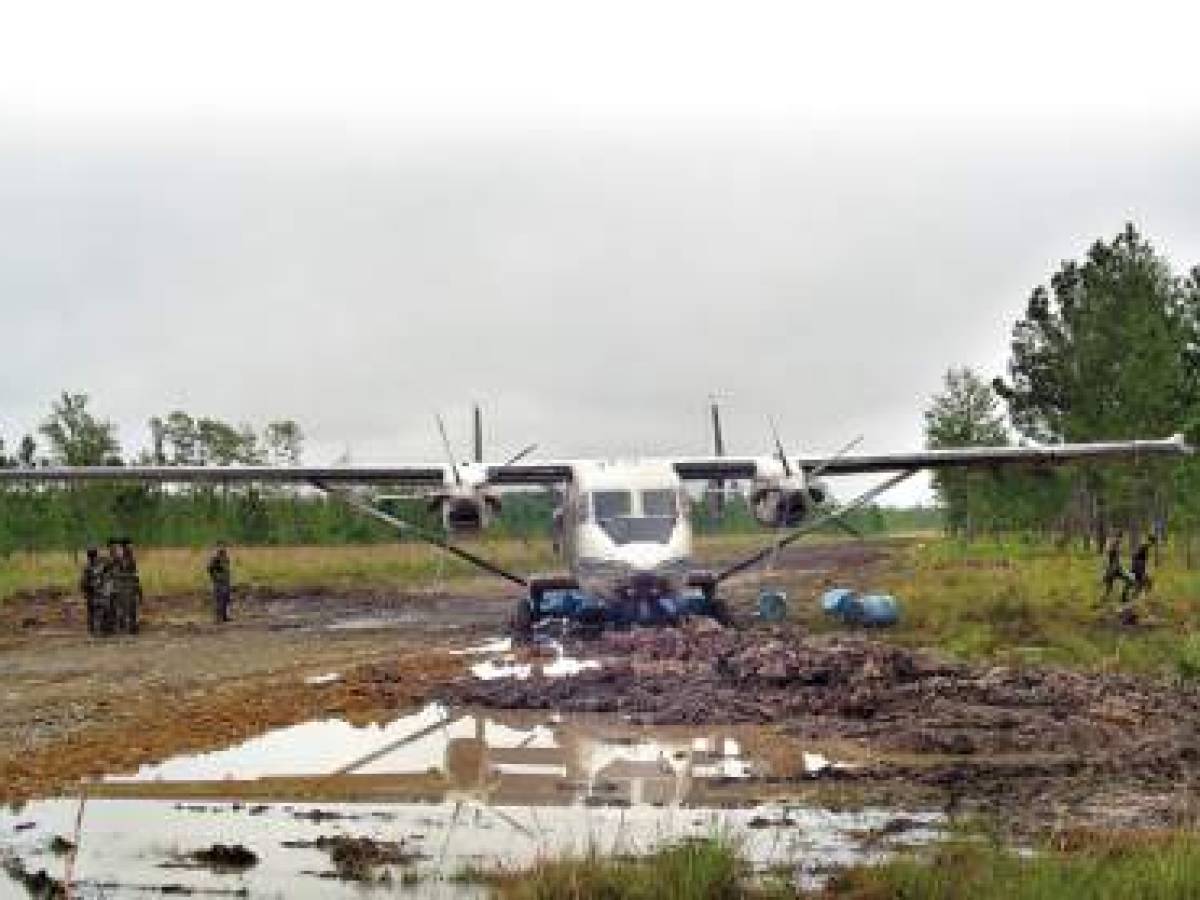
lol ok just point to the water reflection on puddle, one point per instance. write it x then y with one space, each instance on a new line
458 788
550 661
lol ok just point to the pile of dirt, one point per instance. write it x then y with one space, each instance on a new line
37 884
225 858
359 858
892 698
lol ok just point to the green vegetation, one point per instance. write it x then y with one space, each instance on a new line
181 570
1107 350
1100 866
1020 600
707 869
1147 866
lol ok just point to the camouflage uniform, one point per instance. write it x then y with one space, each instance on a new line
91 583
1113 571
108 598
127 591
222 584
1140 569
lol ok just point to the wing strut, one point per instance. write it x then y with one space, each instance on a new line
400 525
812 525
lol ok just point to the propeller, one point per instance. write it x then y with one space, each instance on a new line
811 525
476 444
717 485
520 455
477 422
850 445
449 453
787 466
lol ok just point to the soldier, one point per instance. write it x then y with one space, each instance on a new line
110 588
1113 572
1140 567
90 584
125 587
132 587
222 582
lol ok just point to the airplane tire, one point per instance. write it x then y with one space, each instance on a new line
521 623
720 610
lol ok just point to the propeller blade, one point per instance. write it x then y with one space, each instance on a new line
846 449
718 437
449 453
718 504
478 434
520 455
787 466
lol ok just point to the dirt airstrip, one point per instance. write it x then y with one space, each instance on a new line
1040 744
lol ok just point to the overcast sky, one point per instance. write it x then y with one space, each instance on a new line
587 217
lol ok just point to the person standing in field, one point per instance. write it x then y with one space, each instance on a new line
134 587
109 601
127 586
1139 566
221 576
90 584
1113 571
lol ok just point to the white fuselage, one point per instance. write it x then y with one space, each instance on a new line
625 530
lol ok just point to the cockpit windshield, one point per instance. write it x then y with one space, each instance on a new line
613 512
661 502
611 504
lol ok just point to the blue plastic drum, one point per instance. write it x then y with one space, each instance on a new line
772 606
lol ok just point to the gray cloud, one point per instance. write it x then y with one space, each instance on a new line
591 288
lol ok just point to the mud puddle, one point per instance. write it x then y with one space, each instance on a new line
411 802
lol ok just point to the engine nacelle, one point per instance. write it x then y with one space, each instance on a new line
466 510
783 504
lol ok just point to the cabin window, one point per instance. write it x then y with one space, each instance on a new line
660 503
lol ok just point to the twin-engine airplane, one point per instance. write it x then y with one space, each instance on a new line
622 527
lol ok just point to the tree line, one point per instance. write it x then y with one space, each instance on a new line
38 516
1107 349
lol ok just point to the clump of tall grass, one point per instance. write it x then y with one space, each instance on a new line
702 869
1120 866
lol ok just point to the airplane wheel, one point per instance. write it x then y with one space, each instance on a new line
521 624
590 623
719 610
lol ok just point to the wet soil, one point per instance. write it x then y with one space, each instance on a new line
1038 744
979 736
223 858
72 706
359 858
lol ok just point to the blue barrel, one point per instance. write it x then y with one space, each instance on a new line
873 610
879 610
838 601
772 605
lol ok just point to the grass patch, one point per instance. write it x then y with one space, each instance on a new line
1080 865
707 869
180 570
1113 866
1016 602
400 565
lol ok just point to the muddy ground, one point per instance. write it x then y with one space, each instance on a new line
1039 747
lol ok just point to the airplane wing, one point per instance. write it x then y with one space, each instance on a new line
406 476
435 475
700 468
710 468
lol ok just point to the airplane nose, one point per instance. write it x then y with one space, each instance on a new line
646 558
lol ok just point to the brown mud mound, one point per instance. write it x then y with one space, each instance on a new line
893 698
225 857
359 858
